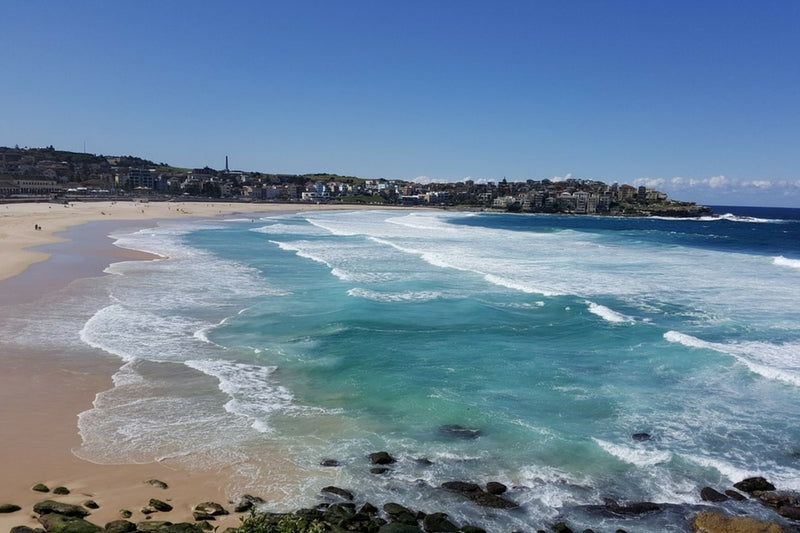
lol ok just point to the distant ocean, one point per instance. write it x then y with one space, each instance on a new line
551 339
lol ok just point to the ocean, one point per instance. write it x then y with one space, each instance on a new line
524 349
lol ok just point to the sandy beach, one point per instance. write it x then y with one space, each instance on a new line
41 393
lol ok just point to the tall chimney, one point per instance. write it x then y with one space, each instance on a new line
226 163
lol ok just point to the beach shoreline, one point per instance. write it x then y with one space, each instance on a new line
42 393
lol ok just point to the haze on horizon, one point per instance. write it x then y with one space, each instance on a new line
700 100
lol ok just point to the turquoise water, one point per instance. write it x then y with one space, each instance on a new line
330 335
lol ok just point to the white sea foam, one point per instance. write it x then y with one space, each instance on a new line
252 389
410 296
519 285
607 314
784 262
772 361
291 229
637 456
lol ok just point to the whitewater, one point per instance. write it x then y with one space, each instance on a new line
328 335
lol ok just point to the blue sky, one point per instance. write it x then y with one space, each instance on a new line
700 99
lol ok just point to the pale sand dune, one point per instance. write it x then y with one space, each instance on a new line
41 393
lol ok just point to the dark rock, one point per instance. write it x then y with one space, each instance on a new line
381 458
9 508
152 526
205 526
398 527
401 514
472 529
330 462
124 513
65 509
61 491
59 523
201 517
378 470
211 508
637 508
454 430
368 509
247 502
159 505
120 526
438 522
560 527
738 496
461 486
41 487
477 495
493 487
792 512
423 461
25 529
641 437
91 504
753 484
182 527
707 494
347 495
157 483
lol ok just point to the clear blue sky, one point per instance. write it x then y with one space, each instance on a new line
700 99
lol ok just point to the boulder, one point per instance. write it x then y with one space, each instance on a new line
211 508
159 505
91 504
461 486
246 503
477 495
151 526
125 513
378 470
496 488
753 484
329 463
61 491
120 526
641 437
9 508
454 430
59 523
347 495
733 495
438 522
381 458
710 495
25 529
472 529
65 509
40 487
398 527
423 461
713 522
560 527
401 514
157 483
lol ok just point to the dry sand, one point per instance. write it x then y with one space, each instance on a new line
41 393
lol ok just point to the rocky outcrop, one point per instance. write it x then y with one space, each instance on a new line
713 522
753 484
479 496
65 509
59 523
381 458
